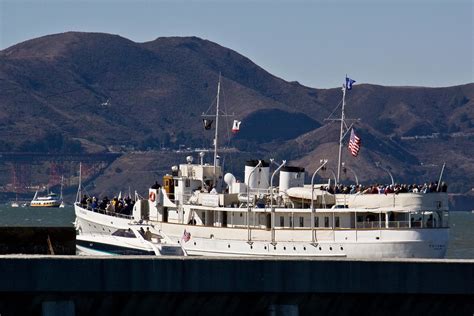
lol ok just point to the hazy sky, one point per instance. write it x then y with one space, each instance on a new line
386 42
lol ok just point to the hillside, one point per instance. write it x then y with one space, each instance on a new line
85 92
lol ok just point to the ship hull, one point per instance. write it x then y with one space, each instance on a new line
344 243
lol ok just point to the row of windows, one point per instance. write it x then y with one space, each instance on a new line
301 220
316 221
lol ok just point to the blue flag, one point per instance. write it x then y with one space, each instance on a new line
349 83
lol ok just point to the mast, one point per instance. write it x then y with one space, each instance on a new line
79 192
217 131
342 134
61 193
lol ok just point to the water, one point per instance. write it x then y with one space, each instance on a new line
461 244
37 216
461 241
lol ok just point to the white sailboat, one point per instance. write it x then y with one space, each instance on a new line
257 218
63 204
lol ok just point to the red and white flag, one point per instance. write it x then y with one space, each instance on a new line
186 236
354 144
236 126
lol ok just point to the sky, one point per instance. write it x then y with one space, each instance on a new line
315 42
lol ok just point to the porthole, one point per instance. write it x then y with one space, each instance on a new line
304 248
275 248
294 248
265 247
194 243
284 248
377 238
251 247
228 246
342 248
320 248
179 241
330 248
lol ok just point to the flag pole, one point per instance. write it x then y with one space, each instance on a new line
214 178
341 136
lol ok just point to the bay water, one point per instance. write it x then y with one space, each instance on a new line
461 244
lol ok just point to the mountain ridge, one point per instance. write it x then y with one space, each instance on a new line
101 90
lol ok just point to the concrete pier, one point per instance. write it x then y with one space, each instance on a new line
69 285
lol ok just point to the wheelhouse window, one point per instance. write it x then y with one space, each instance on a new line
301 221
326 221
338 223
124 233
282 221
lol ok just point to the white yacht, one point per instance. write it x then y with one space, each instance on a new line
127 242
257 217
50 200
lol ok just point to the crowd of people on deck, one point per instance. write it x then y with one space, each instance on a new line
386 189
118 205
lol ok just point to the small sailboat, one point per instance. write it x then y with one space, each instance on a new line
62 205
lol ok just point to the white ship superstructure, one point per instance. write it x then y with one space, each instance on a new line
241 222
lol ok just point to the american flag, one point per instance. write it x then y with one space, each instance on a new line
186 236
354 144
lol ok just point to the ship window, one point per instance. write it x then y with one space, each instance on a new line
301 221
187 183
326 221
203 218
124 233
337 221
282 221
291 221
316 221
176 183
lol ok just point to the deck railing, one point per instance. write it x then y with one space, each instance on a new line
100 211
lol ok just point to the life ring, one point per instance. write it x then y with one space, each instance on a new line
152 196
